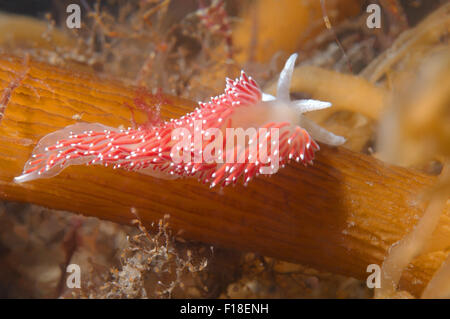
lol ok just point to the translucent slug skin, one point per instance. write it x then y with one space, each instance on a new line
51 139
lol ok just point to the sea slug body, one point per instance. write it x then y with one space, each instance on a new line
151 150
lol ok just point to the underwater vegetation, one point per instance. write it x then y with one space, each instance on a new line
113 91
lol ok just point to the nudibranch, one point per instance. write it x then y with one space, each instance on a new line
275 122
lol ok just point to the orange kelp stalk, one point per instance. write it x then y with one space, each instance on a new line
339 215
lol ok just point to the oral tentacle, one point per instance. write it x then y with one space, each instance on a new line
320 134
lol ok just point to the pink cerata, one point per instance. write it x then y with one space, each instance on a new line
150 150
